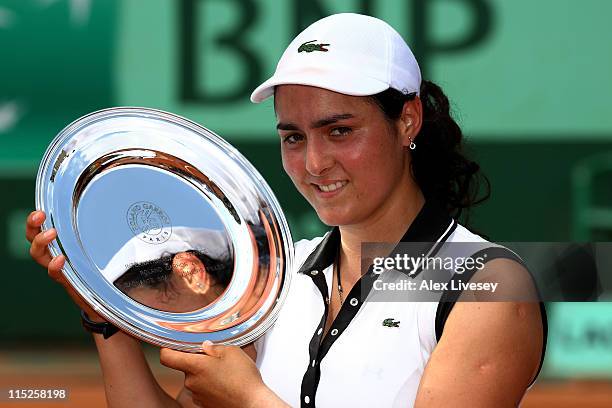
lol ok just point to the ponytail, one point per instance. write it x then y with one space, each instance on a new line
438 164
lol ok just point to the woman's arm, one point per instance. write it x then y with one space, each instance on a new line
128 380
487 356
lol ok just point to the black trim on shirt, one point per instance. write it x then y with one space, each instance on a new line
431 224
324 254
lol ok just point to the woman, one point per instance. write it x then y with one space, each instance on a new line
181 282
375 152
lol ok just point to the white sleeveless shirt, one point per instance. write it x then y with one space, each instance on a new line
362 362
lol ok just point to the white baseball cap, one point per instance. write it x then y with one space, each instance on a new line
349 53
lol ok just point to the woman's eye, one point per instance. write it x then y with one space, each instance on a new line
293 138
340 131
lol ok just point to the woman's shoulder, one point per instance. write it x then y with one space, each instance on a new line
472 242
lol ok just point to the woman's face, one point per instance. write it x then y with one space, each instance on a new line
341 153
190 287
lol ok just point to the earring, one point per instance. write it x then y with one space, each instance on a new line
412 144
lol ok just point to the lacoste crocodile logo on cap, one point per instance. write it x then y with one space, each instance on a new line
390 323
309 47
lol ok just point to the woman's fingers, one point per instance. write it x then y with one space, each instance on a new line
210 349
33 223
55 268
177 360
39 250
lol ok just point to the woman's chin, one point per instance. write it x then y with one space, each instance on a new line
333 218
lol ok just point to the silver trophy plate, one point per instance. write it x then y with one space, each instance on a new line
168 231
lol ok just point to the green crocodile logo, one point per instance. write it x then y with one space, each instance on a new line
390 323
309 47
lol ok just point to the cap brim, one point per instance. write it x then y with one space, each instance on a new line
211 242
343 82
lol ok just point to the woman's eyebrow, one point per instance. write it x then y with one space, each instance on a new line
318 123
286 126
331 119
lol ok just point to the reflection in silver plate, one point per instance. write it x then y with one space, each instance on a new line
168 231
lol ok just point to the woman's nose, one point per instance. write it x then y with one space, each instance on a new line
319 158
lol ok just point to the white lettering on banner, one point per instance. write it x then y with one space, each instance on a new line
431 285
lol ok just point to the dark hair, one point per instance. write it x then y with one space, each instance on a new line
439 165
156 274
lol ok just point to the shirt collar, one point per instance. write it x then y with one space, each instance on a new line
430 225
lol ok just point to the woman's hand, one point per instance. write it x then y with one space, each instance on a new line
225 376
39 251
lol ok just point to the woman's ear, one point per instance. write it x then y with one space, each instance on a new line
410 121
191 272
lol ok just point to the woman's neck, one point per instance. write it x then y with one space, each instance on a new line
388 224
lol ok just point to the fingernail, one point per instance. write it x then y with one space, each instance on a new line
49 233
207 343
36 217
